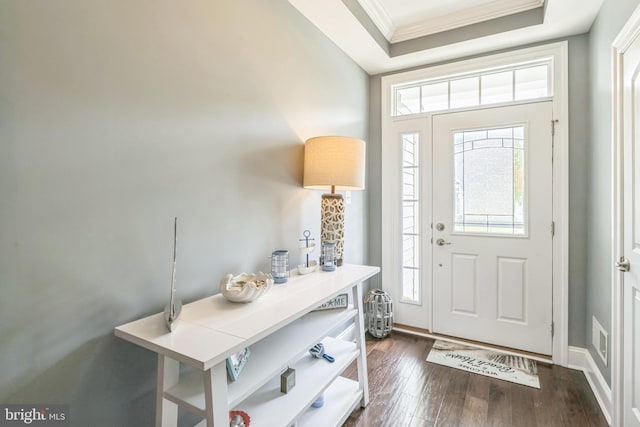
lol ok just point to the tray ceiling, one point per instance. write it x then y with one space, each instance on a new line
401 20
388 35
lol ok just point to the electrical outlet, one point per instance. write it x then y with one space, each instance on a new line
600 340
603 346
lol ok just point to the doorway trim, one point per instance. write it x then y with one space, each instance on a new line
559 53
621 43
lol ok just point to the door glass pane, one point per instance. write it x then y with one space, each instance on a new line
408 100
410 218
497 87
532 82
435 96
465 92
489 181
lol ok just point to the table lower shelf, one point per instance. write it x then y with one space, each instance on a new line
269 407
340 399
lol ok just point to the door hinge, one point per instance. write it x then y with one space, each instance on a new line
623 265
553 228
553 127
552 329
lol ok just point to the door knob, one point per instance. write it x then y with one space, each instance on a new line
623 265
441 242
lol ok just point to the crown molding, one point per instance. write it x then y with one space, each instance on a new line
438 24
380 17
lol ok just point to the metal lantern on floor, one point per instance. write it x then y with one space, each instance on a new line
379 313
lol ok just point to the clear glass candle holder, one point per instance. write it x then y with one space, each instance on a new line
280 266
328 256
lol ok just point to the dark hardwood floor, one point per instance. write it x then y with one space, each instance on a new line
405 390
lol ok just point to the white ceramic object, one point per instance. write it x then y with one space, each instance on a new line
306 250
303 269
245 287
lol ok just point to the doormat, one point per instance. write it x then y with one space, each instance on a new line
490 363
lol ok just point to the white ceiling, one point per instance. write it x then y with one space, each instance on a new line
426 21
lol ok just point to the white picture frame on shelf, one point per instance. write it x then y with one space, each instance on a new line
236 362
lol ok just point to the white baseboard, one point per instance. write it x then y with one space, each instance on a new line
580 358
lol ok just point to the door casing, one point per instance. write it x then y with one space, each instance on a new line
389 188
622 42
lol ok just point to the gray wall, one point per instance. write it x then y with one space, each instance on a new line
612 17
116 116
578 178
578 142
374 178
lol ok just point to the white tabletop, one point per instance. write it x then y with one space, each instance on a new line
211 329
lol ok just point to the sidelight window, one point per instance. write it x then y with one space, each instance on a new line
410 218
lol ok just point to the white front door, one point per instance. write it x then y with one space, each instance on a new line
631 236
492 226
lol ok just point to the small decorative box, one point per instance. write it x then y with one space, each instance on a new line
287 380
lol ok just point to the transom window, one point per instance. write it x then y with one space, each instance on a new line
516 83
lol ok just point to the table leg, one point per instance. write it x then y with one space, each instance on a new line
168 376
362 345
215 396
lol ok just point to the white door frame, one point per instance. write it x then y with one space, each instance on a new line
559 53
627 35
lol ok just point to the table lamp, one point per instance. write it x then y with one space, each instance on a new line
334 163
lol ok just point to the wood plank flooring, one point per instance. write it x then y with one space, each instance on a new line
406 390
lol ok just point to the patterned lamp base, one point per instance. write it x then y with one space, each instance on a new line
332 223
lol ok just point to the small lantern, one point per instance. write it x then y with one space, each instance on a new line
280 266
379 313
328 256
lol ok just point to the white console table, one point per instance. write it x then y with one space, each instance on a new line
279 329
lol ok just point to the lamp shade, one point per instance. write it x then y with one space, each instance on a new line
334 161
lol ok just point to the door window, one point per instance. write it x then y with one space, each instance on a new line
489 181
